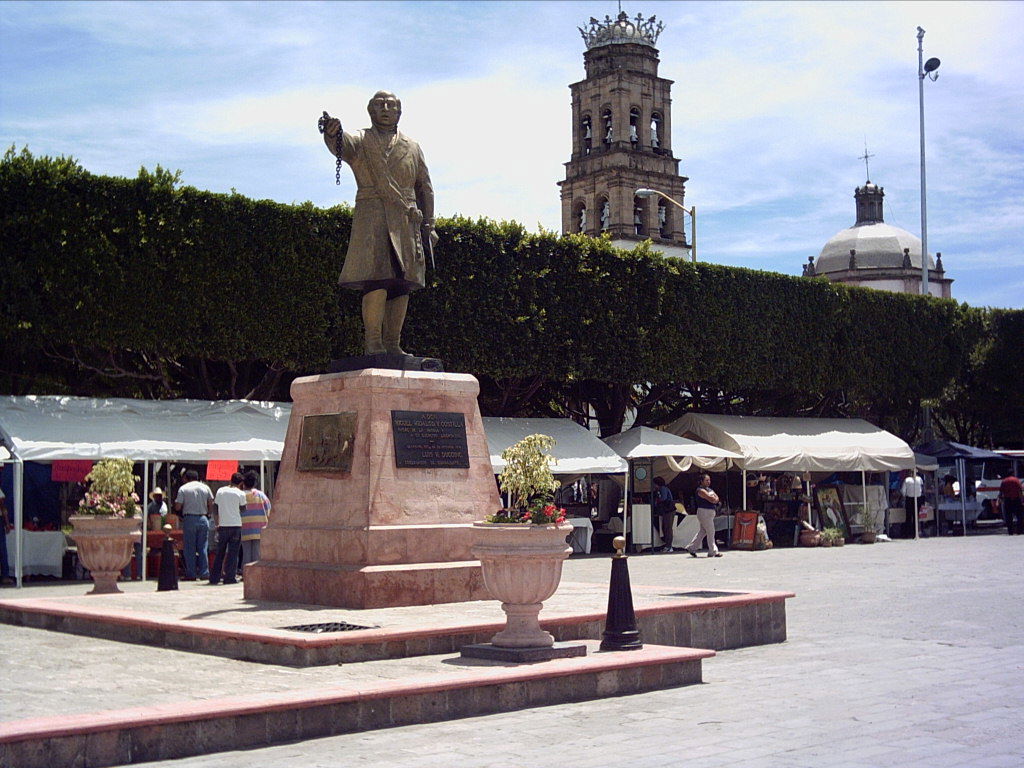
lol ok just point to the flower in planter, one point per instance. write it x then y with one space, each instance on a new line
112 490
528 481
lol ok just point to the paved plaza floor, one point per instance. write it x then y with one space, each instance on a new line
900 653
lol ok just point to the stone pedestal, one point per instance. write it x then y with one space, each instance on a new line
375 535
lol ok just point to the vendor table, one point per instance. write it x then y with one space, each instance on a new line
582 532
42 552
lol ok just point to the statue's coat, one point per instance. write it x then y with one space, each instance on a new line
394 194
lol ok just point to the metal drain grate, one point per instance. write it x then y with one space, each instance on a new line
333 626
706 593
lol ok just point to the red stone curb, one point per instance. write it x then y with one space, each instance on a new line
206 709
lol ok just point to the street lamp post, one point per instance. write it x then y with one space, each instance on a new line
924 69
644 192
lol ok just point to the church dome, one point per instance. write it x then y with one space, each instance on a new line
878 246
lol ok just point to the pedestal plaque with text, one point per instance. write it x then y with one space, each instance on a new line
430 439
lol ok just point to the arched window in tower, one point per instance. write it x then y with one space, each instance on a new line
586 134
639 216
655 130
664 223
580 216
606 123
634 126
606 213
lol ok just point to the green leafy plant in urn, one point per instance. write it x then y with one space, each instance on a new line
521 548
107 523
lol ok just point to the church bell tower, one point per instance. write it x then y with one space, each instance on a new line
622 141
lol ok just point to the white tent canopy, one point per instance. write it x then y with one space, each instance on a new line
577 451
643 442
679 452
48 428
800 444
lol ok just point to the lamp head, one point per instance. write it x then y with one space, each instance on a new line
644 192
930 68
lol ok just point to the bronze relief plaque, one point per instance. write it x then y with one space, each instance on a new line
430 440
325 442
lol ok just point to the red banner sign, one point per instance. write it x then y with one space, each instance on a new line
70 470
744 529
221 469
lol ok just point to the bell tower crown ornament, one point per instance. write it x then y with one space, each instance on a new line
622 30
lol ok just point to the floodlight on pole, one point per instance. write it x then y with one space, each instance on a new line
645 192
925 69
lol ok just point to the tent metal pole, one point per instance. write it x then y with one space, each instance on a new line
963 494
917 502
145 519
627 509
263 482
807 493
864 497
19 517
744 478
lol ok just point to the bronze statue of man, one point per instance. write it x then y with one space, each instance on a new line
393 224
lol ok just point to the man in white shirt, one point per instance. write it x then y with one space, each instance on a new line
912 490
194 503
230 502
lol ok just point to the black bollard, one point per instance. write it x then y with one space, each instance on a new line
168 578
620 632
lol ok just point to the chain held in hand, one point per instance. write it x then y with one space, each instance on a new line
322 125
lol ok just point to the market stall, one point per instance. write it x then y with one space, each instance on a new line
785 451
651 452
959 459
69 433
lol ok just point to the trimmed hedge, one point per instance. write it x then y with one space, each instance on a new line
144 287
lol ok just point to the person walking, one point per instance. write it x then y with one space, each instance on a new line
255 516
665 510
1010 493
707 507
230 501
195 503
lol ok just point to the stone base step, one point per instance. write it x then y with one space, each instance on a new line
721 622
180 730
368 586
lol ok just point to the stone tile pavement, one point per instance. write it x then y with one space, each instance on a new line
902 653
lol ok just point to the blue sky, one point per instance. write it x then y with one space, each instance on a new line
772 105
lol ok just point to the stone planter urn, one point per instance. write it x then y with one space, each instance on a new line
522 565
105 547
869 537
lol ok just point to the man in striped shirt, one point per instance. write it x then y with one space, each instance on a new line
255 515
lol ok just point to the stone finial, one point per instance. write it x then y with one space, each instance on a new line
809 267
938 262
906 258
853 258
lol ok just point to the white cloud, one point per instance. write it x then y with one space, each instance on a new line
772 104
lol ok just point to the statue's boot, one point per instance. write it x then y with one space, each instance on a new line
394 319
374 303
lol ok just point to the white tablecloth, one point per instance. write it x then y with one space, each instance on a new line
42 552
582 533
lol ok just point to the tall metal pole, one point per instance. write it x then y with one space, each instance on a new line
924 196
693 232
